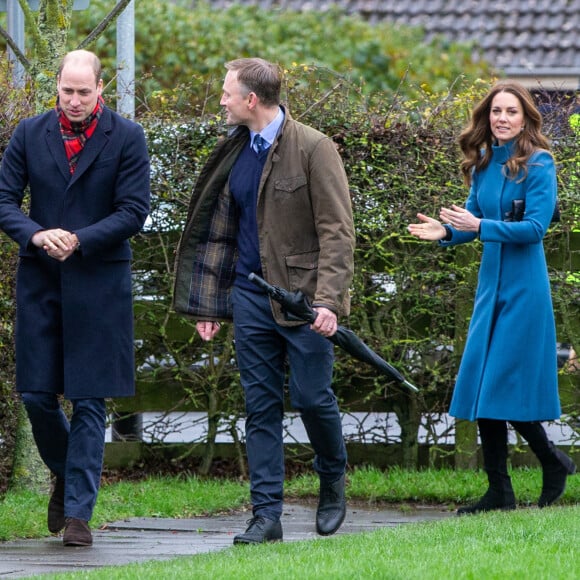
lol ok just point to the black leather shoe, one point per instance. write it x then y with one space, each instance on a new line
55 518
77 533
331 507
260 530
554 478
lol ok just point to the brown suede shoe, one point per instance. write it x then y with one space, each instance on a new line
55 519
77 533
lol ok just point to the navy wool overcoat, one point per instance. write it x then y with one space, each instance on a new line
74 320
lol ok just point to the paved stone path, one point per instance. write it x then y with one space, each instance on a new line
142 539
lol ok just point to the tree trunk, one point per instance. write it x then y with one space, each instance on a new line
409 418
28 470
465 431
212 429
465 444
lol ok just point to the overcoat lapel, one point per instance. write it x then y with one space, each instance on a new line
94 145
56 147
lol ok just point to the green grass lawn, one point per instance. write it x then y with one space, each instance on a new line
528 543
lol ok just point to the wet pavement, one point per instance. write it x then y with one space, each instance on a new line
143 539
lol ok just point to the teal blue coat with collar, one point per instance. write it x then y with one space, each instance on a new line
509 365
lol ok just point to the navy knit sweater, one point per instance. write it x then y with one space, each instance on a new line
244 182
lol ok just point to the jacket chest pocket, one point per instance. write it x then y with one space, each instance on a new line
290 188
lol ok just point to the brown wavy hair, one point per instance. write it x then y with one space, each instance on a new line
476 139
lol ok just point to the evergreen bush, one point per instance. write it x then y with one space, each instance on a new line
182 41
411 300
14 105
394 112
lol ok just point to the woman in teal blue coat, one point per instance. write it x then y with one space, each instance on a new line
513 189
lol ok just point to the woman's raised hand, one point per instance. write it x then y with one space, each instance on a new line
429 229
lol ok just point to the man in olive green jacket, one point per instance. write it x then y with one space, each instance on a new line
273 199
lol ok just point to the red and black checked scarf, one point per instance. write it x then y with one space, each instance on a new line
75 135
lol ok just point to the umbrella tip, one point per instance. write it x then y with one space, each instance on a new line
410 386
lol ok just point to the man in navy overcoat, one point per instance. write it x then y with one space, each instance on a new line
87 172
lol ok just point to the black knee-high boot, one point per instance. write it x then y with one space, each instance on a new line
500 494
556 465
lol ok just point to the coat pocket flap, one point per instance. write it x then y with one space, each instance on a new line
291 183
306 260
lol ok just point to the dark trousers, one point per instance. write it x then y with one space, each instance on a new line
262 349
72 451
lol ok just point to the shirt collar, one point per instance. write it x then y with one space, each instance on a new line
270 131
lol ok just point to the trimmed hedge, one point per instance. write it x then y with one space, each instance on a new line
411 300
14 105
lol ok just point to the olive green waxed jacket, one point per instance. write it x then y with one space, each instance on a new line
305 226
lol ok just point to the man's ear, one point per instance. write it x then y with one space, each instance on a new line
253 100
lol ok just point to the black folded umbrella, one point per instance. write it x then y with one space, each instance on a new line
297 307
